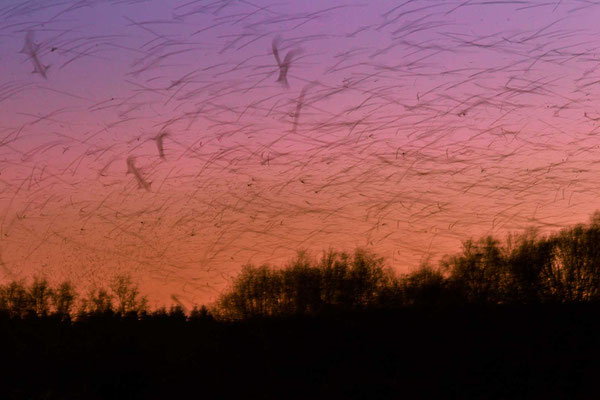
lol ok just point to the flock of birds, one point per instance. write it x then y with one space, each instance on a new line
180 140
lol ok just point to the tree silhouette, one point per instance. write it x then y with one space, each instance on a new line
127 295
97 301
308 287
14 299
479 274
40 296
64 297
529 256
426 286
574 273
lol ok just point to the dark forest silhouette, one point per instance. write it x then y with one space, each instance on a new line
527 268
512 319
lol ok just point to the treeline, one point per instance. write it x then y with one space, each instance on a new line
40 298
517 319
122 298
527 268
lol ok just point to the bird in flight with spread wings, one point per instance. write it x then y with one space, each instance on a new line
284 65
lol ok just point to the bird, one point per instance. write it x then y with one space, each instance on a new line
159 144
285 65
31 49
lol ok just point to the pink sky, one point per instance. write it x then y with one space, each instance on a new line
423 123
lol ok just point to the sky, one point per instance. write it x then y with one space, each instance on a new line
178 141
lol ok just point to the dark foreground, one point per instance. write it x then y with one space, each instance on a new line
537 352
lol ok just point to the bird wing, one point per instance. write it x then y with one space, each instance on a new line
276 52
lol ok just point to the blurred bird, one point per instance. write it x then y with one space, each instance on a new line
31 49
159 144
285 65
142 183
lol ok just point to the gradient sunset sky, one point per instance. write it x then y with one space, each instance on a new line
407 127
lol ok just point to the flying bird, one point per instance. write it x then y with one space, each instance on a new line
159 144
31 49
285 65
131 168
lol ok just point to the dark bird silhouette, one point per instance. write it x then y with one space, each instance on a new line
285 65
159 144
31 49
142 183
